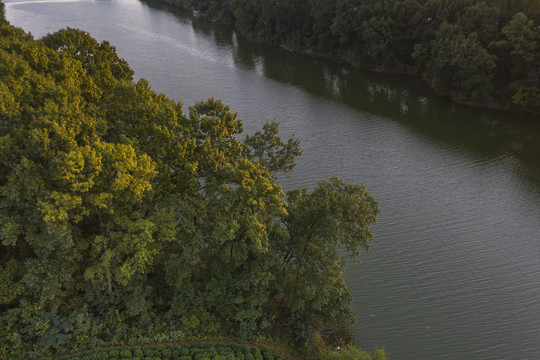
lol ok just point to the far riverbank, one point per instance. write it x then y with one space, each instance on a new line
476 95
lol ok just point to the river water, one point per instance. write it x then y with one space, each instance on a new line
454 272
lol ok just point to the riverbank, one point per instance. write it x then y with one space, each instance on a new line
404 74
477 77
455 182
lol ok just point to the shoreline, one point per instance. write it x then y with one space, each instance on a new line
492 105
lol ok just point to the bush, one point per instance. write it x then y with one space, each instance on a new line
195 352
137 352
257 354
166 353
267 355
125 353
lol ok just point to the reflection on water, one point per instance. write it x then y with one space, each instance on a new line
455 269
487 132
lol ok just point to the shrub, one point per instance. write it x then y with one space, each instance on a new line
137 352
195 352
257 354
267 355
166 353
125 353
148 351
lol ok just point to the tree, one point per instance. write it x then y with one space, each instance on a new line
323 12
522 38
270 151
482 20
509 8
343 25
121 214
100 60
246 14
458 65
334 216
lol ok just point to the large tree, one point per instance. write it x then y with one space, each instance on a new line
121 214
520 51
458 65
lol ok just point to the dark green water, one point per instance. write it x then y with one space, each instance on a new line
455 269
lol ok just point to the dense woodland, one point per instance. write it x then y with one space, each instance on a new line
473 51
125 218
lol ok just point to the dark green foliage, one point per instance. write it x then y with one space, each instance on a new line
122 217
137 352
166 353
471 50
459 65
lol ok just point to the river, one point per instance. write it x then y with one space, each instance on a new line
454 272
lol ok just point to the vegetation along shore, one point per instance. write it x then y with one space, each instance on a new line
479 53
127 220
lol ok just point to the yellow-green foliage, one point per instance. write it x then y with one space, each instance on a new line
122 217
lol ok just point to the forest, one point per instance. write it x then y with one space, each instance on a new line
477 52
126 219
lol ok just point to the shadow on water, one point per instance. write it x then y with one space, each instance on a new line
489 133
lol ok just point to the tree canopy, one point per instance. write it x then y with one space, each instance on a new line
471 50
123 215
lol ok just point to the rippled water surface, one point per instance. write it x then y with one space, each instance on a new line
454 272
